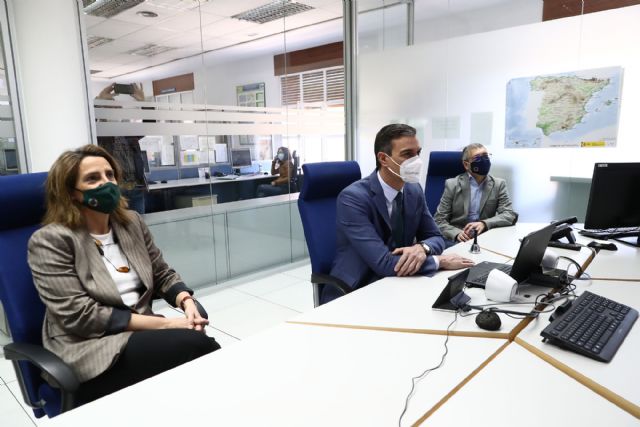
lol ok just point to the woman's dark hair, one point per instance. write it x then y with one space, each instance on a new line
386 135
285 150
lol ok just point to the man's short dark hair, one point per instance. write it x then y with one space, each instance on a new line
388 134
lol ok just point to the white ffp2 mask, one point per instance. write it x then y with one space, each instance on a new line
409 169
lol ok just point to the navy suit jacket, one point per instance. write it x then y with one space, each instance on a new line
363 240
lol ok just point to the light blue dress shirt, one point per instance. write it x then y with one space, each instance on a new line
474 199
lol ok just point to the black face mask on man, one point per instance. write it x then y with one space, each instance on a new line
104 198
481 165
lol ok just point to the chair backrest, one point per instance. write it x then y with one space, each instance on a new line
22 198
317 205
442 166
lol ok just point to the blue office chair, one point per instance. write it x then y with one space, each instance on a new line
442 166
23 205
317 205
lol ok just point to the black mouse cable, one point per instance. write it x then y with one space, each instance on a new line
415 380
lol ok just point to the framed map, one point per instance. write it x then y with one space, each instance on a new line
574 109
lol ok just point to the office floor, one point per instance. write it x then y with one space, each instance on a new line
237 309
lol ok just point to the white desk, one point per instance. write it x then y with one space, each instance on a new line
520 389
299 374
621 376
190 182
296 375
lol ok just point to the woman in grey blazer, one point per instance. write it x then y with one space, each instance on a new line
97 269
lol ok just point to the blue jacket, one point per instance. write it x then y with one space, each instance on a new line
363 238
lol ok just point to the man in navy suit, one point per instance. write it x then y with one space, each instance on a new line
383 225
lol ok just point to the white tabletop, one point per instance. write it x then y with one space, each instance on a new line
296 375
405 303
519 389
621 376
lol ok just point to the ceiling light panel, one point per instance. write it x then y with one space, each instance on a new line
95 41
108 8
273 10
150 50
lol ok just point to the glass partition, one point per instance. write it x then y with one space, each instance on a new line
549 91
219 131
12 158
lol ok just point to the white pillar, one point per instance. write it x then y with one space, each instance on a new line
52 78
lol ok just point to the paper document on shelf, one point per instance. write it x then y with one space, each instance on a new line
221 153
445 127
480 132
189 142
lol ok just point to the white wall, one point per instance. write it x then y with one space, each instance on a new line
51 74
460 76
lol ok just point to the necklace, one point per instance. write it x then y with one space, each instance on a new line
122 269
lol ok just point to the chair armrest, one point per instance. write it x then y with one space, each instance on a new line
327 279
60 374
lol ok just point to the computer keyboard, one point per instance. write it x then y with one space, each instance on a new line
611 233
482 278
594 326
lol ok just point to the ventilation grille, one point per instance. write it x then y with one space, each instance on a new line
95 41
335 84
271 11
290 89
150 50
313 87
108 8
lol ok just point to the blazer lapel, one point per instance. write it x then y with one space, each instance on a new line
466 191
138 259
378 198
488 187
106 289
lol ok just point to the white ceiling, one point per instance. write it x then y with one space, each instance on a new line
191 27
188 27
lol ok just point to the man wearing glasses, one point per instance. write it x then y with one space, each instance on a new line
473 200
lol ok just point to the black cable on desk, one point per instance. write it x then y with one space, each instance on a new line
428 371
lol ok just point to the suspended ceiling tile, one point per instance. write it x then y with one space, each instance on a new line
231 7
90 21
218 43
226 26
113 29
308 18
189 21
150 35
131 15
184 39
116 47
262 30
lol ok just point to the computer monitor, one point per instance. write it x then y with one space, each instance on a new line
11 159
145 160
613 200
240 158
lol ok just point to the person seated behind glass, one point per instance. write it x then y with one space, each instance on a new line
126 150
283 166
473 200
96 268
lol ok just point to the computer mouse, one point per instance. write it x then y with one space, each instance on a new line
605 246
488 320
164 181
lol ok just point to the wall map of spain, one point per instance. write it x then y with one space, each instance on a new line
575 109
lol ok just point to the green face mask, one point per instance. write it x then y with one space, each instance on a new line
103 199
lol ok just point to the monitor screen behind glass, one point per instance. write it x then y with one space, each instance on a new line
614 201
240 158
